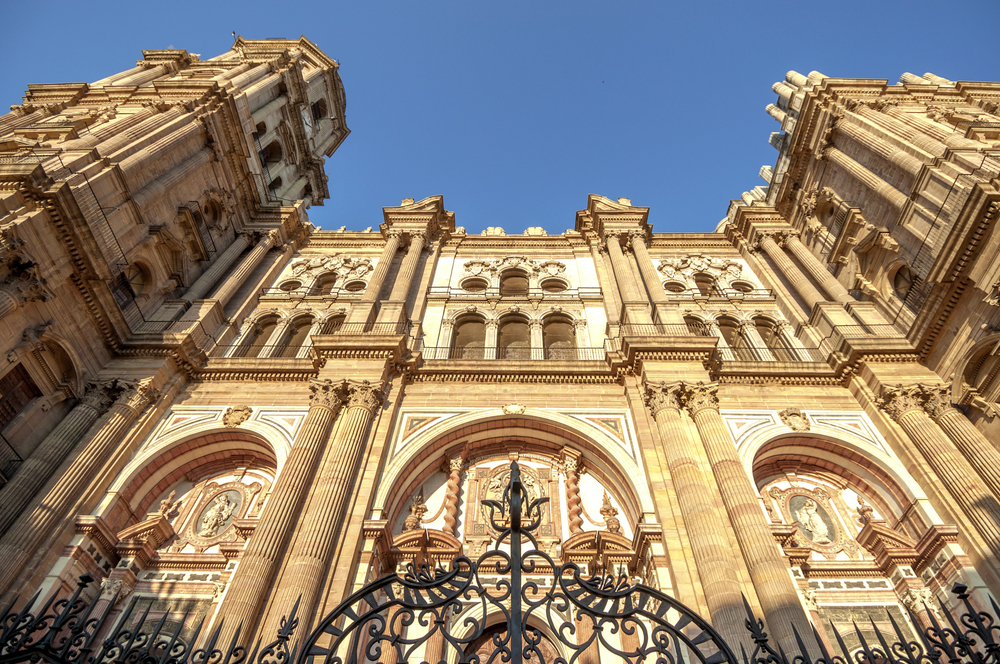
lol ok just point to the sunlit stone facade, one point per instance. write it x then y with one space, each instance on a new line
218 409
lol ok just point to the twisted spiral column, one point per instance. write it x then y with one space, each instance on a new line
574 509
451 496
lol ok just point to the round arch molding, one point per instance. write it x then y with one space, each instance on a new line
535 429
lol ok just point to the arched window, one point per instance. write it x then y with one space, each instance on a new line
255 346
333 325
468 342
696 327
140 280
773 340
514 283
319 109
296 336
275 184
260 129
902 281
559 338
705 284
674 287
324 285
514 340
271 154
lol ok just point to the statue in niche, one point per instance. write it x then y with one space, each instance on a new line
417 511
813 520
217 515
610 514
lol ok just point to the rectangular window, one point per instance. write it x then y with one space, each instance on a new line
16 391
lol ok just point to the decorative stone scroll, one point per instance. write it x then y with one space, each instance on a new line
343 266
549 268
683 269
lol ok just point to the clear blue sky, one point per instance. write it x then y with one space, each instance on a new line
516 111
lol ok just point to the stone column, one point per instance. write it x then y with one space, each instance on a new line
362 311
317 328
808 259
905 162
239 276
38 467
389 655
769 572
798 349
724 349
269 543
490 352
612 299
574 508
637 240
321 526
974 446
208 278
785 265
537 340
755 342
880 187
451 496
706 532
935 130
907 133
239 343
19 290
271 346
20 543
582 339
404 278
634 304
444 340
906 405
162 183
392 239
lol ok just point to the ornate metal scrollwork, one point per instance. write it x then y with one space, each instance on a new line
427 614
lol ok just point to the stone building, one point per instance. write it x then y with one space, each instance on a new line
219 410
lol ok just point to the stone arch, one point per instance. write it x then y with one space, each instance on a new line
514 281
152 471
534 429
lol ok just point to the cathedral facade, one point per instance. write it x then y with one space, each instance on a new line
219 411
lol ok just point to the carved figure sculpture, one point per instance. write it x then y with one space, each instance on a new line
809 518
217 515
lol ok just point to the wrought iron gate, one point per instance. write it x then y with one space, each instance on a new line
515 601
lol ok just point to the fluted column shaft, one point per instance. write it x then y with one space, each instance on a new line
646 268
706 533
259 561
404 278
208 278
36 469
8 303
378 276
933 129
905 162
880 187
145 128
979 451
906 405
322 525
239 276
755 343
778 596
612 304
20 543
907 133
799 281
109 129
808 259
633 302
143 76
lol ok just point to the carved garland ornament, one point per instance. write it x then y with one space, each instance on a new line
684 269
343 266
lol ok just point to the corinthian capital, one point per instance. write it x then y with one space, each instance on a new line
898 401
365 395
637 236
394 233
327 394
98 396
937 400
661 395
700 397
136 396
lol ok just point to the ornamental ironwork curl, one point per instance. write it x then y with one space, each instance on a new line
434 614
